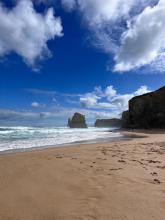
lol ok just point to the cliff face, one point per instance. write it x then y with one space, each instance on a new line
102 123
77 121
146 111
125 120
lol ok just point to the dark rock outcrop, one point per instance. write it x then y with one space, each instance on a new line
146 111
125 120
113 122
77 121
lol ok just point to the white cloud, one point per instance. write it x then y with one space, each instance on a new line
104 106
130 31
58 116
89 99
96 11
37 105
101 17
25 31
7 114
144 40
120 101
117 27
68 112
110 92
142 90
110 99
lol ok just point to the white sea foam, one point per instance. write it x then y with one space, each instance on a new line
15 138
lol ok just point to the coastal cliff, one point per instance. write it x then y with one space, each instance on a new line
146 111
77 121
113 122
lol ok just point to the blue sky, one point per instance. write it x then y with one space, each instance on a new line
58 57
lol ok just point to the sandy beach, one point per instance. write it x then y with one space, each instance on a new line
122 180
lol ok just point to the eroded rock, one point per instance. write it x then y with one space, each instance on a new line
77 121
146 111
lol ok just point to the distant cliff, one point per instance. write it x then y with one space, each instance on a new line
114 122
77 121
146 111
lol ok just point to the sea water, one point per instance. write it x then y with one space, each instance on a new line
20 138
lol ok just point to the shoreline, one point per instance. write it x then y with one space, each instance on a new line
72 144
24 138
126 135
118 180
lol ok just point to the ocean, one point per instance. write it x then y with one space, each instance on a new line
21 138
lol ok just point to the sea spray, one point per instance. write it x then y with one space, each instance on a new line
15 138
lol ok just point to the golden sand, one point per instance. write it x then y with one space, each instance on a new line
123 180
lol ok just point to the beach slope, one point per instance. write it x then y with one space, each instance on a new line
122 180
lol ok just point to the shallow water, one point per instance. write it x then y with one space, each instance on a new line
17 138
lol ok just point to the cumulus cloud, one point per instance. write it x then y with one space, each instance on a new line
104 102
97 104
144 40
25 31
110 92
142 90
130 31
110 99
101 17
89 99
96 11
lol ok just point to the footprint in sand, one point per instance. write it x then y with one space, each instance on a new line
121 161
99 158
156 181
104 151
114 169
59 157
154 174
153 161
161 167
134 160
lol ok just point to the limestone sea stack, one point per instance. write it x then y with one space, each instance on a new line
146 111
77 121
106 123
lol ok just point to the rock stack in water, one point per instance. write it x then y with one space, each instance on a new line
77 121
146 111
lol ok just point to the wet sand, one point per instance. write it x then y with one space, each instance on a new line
122 180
